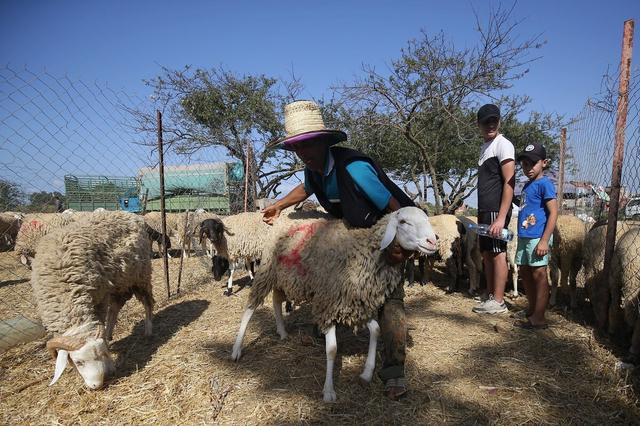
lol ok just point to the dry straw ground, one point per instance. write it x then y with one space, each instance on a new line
462 368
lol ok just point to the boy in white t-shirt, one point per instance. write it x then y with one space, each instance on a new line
496 180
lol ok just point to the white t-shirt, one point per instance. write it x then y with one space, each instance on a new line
490 181
499 147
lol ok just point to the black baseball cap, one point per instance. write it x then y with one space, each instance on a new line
534 152
488 111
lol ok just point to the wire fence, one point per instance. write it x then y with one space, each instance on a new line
590 143
66 145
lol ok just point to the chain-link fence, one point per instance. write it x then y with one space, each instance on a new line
68 148
602 187
590 143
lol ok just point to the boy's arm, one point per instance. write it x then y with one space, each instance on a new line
542 248
508 170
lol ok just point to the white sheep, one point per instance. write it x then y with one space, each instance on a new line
624 289
446 228
241 244
344 273
566 256
82 276
33 228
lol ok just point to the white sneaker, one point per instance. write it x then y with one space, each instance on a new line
491 306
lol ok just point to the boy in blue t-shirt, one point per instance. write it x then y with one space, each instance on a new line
536 221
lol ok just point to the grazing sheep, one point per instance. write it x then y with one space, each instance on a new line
625 289
82 276
32 231
566 256
354 269
10 224
241 243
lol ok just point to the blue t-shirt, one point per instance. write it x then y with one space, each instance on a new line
365 178
532 217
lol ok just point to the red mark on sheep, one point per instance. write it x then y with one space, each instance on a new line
293 260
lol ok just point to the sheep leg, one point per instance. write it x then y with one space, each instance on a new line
410 272
553 271
369 366
421 270
112 317
514 276
278 298
237 346
145 297
573 292
229 290
248 265
634 350
331 348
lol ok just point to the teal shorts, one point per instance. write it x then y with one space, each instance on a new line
525 253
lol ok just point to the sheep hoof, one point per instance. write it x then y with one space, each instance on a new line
329 396
236 354
365 379
283 334
228 292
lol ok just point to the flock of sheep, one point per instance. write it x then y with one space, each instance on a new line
85 266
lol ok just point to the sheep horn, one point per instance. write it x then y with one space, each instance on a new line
68 343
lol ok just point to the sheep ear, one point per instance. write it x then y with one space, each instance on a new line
390 232
228 232
61 364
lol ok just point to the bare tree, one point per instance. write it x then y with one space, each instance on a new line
203 109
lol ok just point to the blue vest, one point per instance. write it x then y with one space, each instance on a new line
354 206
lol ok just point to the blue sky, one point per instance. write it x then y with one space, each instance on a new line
122 42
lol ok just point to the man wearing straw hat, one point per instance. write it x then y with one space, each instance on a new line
352 186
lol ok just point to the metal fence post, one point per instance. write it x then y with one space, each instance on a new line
616 174
163 213
563 150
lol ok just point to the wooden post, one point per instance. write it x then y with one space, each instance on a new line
144 201
616 174
563 148
184 240
246 178
163 213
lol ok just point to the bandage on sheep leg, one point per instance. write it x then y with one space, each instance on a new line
237 346
329 393
278 298
370 364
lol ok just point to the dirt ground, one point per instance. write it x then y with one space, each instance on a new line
462 368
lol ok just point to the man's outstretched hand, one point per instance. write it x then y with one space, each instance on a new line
270 214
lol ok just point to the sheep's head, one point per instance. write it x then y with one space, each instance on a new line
219 266
409 227
89 355
213 229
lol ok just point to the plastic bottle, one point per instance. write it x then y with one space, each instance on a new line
482 229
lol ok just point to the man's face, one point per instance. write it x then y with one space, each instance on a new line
489 128
312 153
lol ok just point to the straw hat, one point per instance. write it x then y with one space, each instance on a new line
303 121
